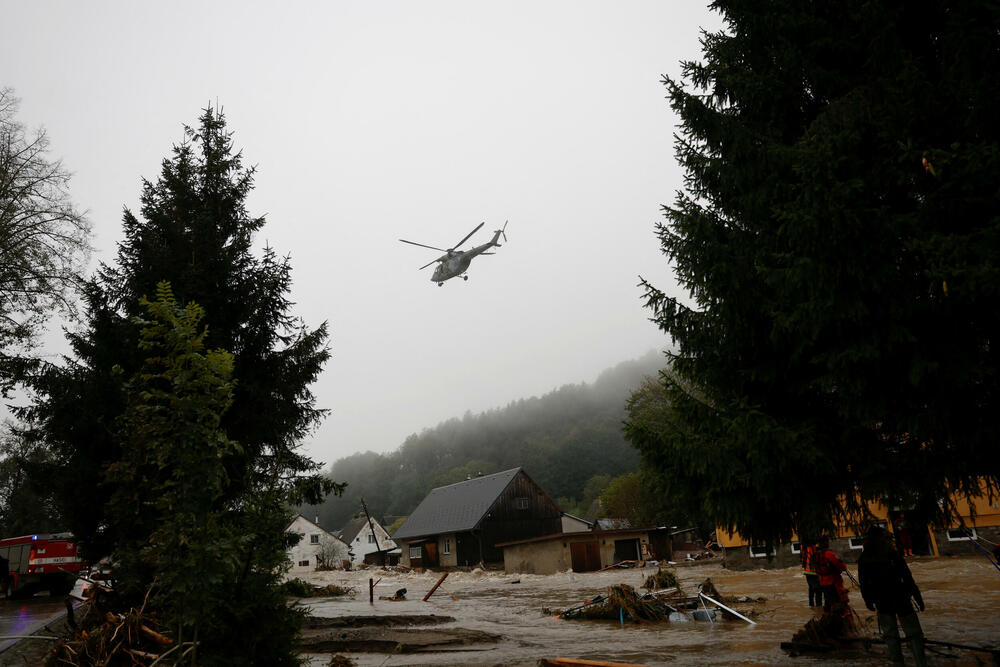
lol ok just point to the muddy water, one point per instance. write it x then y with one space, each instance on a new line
962 597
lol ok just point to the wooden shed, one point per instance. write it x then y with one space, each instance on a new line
461 524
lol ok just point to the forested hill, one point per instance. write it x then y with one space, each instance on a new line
561 439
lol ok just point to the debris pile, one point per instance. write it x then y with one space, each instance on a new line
331 591
303 589
622 603
662 579
398 596
619 603
105 638
825 633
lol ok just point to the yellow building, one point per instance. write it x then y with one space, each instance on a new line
981 522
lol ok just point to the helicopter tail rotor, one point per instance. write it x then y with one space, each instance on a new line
500 232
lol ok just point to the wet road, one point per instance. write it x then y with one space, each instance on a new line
22 617
962 597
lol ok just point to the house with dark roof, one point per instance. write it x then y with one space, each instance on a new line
461 524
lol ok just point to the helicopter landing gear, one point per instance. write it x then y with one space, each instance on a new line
465 277
440 284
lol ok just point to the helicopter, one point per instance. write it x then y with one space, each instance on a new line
455 262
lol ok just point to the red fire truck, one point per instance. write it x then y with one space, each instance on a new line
34 563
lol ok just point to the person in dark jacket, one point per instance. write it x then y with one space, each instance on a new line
888 588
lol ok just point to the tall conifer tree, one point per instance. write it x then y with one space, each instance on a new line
195 232
837 236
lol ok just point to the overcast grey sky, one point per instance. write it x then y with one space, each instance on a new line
374 121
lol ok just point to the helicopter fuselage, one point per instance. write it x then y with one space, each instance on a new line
458 262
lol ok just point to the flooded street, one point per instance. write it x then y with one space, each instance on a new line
21 617
962 598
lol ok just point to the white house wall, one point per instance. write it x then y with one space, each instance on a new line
304 555
571 524
362 545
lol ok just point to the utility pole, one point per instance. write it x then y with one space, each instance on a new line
378 547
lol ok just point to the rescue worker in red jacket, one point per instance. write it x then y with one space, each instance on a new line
807 551
829 566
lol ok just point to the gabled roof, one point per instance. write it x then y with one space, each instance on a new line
311 523
352 528
456 507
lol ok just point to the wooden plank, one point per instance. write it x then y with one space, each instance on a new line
435 587
587 663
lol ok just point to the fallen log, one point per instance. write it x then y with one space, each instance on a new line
160 639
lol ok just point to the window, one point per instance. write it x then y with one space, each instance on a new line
303 563
415 553
856 542
521 503
959 534
796 547
446 549
760 551
371 539
314 539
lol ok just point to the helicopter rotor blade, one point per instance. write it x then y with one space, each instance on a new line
423 245
439 259
503 230
468 235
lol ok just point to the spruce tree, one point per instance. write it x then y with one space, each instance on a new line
193 230
837 237
174 538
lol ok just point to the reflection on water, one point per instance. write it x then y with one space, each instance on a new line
20 617
962 597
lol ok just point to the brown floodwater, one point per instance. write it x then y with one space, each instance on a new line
962 597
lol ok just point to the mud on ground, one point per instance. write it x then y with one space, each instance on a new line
385 634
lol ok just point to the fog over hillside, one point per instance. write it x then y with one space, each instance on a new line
561 439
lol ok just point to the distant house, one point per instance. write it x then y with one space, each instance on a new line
585 551
358 534
461 524
317 548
